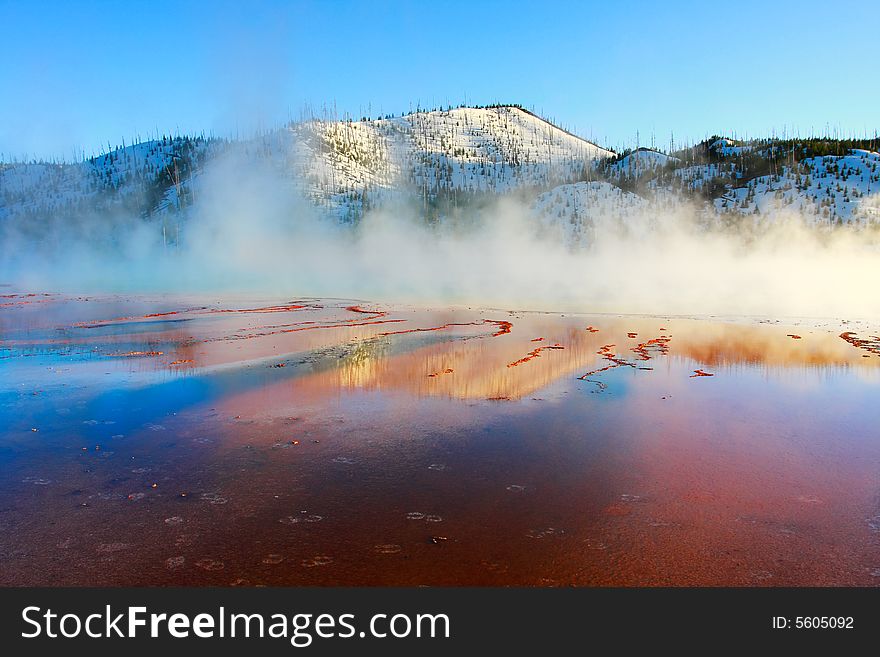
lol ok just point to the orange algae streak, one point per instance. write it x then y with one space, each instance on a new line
358 309
535 353
593 329
133 318
872 345
29 295
644 351
344 324
25 299
660 345
193 311
131 354
503 327
265 327
429 328
700 373
13 304
170 312
607 352
265 309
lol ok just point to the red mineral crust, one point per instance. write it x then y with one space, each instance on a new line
534 353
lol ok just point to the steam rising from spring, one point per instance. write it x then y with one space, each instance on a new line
252 232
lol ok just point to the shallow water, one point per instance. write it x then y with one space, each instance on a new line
308 441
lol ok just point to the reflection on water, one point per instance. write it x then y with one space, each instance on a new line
308 441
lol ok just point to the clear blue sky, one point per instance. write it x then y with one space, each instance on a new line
75 75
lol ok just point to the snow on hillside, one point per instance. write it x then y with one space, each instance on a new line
451 154
344 167
727 147
825 190
141 177
493 149
762 178
440 161
639 163
578 210
33 187
697 176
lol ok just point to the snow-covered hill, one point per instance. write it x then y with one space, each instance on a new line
581 209
444 154
442 161
825 190
824 181
140 179
344 167
639 163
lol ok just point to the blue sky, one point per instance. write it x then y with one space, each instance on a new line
77 75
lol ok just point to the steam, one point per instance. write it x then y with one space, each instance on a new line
254 234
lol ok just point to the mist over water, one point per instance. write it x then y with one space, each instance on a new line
250 232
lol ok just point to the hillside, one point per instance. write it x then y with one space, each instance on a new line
578 211
828 189
825 182
127 183
439 163
345 167
452 155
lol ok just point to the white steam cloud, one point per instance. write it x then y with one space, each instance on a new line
251 233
